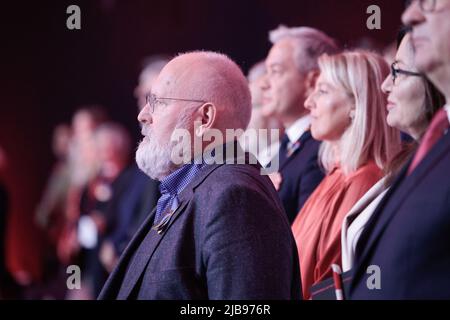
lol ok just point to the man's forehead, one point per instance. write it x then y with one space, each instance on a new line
281 52
182 75
163 83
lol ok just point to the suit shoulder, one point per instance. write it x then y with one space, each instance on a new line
242 177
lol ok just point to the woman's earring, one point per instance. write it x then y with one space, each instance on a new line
352 115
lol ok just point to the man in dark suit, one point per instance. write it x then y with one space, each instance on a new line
291 73
218 230
404 251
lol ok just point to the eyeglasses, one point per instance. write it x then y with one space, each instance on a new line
396 71
425 5
153 100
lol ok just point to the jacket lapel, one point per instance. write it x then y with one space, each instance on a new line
400 190
141 248
121 268
148 238
305 136
146 242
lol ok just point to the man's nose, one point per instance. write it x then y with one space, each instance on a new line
144 116
264 82
413 15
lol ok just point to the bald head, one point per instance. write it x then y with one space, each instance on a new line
210 77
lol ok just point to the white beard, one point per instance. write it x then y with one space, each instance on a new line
154 159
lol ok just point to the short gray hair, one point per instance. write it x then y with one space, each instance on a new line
309 45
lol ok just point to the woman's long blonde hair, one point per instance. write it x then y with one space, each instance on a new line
361 74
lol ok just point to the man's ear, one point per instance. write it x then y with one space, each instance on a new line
205 118
310 81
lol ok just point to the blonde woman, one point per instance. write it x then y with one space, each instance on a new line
348 114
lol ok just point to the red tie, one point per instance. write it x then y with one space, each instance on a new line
436 130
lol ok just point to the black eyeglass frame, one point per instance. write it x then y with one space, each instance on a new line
396 71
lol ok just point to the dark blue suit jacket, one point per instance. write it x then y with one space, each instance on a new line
228 239
408 236
301 175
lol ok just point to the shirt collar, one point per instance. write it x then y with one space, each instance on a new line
447 108
298 128
175 182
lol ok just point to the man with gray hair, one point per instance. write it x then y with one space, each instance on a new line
290 78
218 231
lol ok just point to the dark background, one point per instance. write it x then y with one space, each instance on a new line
48 71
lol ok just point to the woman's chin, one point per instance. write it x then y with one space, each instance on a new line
392 121
317 135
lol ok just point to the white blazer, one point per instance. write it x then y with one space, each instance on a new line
356 219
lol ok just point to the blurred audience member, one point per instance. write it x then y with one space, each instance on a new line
83 167
50 213
266 146
52 208
113 148
291 74
141 193
348 112
82 152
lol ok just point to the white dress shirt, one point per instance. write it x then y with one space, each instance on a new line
447 108
298 128
294 132
356 219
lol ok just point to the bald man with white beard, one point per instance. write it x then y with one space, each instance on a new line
219 230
